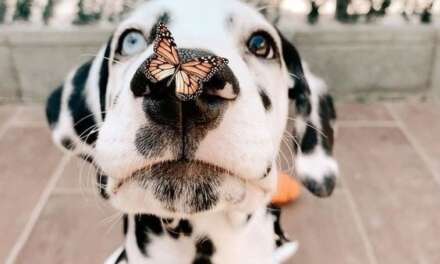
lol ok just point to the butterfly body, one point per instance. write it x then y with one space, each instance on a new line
189 75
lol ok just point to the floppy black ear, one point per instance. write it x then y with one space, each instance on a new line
75 109
300 91
314 116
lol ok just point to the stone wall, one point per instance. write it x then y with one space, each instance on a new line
358 62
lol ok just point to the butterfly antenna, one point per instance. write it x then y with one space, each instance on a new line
171 79
174 76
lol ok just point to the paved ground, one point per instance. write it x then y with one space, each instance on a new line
386 209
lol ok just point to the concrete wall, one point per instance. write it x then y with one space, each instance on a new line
370 61
358 62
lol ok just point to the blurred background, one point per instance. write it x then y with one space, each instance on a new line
381 61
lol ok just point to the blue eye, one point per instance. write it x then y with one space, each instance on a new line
133 43
261 45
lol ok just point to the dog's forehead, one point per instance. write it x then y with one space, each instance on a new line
217 17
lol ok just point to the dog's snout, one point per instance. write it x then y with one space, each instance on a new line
222 84
163 106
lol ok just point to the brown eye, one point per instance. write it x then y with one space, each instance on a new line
261 45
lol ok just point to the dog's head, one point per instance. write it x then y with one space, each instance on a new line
165 156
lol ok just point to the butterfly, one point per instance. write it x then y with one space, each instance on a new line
189 75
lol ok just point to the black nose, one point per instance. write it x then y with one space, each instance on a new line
162 105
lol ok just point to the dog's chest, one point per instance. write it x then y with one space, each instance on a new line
205 239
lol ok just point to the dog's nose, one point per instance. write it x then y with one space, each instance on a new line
163 106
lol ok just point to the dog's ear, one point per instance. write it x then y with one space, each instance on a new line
75 110
314 116
300 90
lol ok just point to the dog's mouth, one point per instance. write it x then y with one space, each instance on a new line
177 170
188 187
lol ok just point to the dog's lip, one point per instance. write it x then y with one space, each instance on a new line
200 163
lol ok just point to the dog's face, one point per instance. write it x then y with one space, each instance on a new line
163 155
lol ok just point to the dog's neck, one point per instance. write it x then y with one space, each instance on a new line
220 237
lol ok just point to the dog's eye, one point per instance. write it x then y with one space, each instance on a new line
261 45
133 43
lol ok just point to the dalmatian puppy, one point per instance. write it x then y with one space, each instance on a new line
194 178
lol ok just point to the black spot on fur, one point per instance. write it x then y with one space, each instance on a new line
330 183
248 217
68 143
265 99
328 107
167 220
122 257
53 106
327 114
162 18
145 226
302 100
102 185
321 189
83 119
310 139
268 170
205 249
87 158
125 224
103 77
184 227
275 211
202 260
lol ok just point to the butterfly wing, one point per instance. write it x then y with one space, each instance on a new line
204 67
157 68
166 57
193 73
165 46
187 86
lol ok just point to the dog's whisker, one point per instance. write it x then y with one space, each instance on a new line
291 154
294 139
104 57
281 156
291 137
117 221
288 136
294 76
112 220
82 119
311 126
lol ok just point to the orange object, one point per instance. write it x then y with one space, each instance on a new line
288 190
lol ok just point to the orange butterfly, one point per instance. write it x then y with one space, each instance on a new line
189 75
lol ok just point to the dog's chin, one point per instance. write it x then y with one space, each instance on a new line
184 188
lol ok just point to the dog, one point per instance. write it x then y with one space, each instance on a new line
194 178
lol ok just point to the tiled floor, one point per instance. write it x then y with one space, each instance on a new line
385 210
